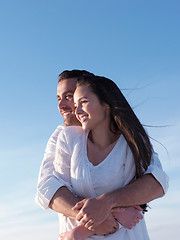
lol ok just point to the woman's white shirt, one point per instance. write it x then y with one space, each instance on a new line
85 180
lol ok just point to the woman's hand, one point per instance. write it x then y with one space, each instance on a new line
128 217
93 212
110 225
77 233
67 236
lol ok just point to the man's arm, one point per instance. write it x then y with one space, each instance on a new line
94 210
152 185
48 184
63 201
51 193
142 190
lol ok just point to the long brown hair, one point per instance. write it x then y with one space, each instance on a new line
123 119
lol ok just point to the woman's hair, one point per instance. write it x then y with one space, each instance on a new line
123 119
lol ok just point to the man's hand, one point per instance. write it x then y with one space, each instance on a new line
93 212
128 217
109 226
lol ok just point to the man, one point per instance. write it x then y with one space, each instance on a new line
51 193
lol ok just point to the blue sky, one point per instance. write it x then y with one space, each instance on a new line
135 43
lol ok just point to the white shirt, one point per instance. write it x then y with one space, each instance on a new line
117 170
48 184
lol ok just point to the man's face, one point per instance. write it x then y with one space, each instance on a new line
65 92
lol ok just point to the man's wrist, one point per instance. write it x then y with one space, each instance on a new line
107 199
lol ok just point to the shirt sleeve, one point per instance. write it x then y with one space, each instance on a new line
155 168
48 182
62 161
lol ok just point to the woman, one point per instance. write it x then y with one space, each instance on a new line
108 152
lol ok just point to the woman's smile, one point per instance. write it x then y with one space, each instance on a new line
87 106
83 118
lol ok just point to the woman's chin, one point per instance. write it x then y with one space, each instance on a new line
85 127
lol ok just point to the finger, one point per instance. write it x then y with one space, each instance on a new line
61 235
133 224
78 205
140 216
136 220
138 208
113 230
129 227
84 220
79 216
93 227
118 209
89 223
116 225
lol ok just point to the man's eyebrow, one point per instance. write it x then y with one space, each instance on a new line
64 93
69 91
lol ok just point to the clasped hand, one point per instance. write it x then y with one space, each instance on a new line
95 211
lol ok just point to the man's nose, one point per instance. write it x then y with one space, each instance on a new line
61 104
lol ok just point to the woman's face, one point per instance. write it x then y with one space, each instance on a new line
89 111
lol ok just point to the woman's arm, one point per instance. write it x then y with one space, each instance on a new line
95 210
109 226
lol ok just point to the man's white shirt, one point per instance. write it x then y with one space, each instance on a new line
48 183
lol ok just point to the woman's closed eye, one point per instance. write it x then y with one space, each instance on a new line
83 101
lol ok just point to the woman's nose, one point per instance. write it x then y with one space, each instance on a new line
78 110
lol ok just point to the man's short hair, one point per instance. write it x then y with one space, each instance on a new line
73 74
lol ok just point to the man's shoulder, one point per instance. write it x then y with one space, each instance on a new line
57 131
67 132
60 127
71 136
73 130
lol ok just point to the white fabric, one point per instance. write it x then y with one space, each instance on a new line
48 184
117 170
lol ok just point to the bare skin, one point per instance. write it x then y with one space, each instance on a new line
81 232
120 214
63 201
143 190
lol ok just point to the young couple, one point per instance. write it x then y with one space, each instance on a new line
97 174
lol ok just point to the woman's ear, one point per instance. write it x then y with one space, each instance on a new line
106 106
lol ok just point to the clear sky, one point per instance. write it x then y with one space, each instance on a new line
133 42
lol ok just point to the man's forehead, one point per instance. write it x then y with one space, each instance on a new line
66 86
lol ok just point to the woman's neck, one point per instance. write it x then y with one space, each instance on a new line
102 137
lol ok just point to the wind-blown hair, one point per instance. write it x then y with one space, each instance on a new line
123 119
